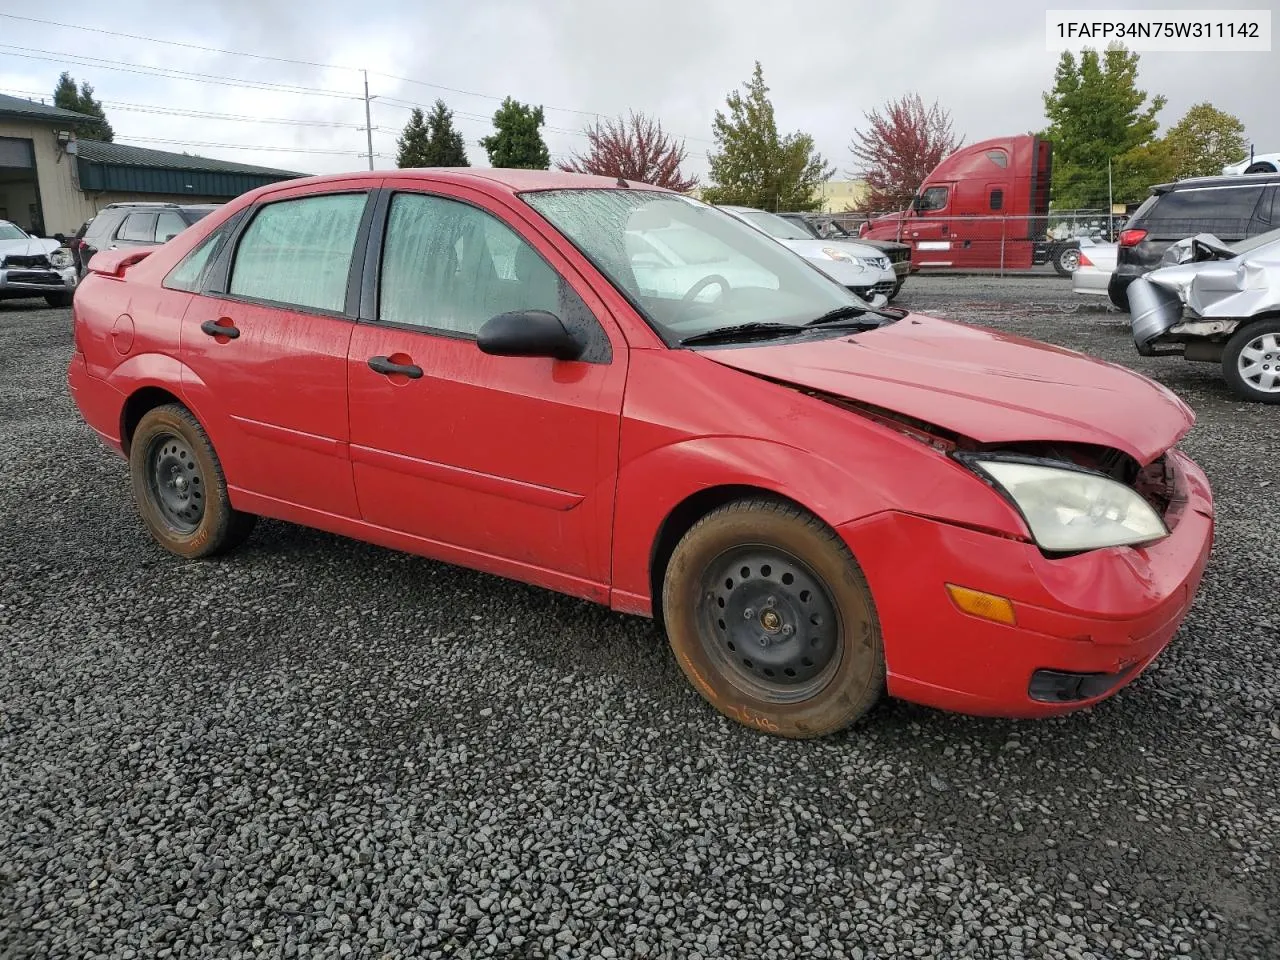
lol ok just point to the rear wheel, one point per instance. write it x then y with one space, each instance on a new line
771 619
179 487
1067 260
1251 361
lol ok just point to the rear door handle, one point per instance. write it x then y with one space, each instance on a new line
385 365
222 327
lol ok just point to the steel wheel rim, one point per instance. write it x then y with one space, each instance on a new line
175 482
770 624
1070 260
1259 363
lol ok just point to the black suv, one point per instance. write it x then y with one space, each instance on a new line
133 225
1230 208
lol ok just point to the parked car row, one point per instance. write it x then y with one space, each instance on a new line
633 397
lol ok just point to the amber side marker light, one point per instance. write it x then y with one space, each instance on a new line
988 606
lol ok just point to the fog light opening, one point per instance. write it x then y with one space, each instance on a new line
985 606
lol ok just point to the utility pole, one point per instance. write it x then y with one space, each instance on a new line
368 119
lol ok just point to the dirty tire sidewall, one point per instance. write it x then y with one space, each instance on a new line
1231 360
859 679
220 527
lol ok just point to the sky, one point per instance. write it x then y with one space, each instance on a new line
826 66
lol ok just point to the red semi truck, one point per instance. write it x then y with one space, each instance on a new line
984 206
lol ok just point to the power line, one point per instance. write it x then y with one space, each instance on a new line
56 56
240 146
202 114
308 63
176 43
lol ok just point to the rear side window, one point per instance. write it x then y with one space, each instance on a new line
298 252
139 227
168 226
190 273
1222 211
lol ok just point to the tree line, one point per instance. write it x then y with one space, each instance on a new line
1103 126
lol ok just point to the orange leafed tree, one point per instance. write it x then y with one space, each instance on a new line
634 147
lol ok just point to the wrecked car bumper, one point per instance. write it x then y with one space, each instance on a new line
16 282
1084 625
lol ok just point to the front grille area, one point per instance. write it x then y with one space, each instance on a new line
41 277
880 286
15 260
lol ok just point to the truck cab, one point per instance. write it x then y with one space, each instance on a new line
986 205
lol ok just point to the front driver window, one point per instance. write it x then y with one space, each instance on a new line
449 266
935 198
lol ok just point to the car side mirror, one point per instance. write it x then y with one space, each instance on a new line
528 333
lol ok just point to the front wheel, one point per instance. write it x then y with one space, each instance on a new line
771 619
1251 361
897 288
58 300
179 487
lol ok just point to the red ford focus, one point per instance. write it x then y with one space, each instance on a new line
626 395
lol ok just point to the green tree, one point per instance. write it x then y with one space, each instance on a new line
67 96
1204 141
431 141
1097 114
754 166
516 140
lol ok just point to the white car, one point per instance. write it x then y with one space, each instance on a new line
862 268
1097 263
34 267
1260 163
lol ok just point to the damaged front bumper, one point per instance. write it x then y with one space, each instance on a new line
35 281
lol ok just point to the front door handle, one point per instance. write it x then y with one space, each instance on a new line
222 327
387 365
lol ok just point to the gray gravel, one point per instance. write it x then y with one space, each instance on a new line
320 748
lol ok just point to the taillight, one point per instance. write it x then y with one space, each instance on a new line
1084 260
1131 238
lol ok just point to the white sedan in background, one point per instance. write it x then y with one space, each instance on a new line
1262 163
859 267
1097 263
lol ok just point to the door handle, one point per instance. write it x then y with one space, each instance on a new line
216 328
385 365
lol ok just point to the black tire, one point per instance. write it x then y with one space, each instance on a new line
179 487
59 300
1263 338
802 614
897 288
1261 168
1118 294
1066 259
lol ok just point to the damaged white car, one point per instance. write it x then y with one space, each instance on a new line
1216 303
34 267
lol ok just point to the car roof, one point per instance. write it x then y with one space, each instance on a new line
506 180
1191 183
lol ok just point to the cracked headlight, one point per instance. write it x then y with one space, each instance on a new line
1070 510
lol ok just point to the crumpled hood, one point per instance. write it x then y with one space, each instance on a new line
27 247
983 384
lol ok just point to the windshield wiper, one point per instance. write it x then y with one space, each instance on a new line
847 313
740 331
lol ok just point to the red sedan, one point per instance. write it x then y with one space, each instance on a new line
621 393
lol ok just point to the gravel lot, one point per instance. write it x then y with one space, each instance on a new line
320 748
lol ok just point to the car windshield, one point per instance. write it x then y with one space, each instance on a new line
10 232
687 266
774 225
1253 243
